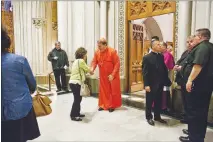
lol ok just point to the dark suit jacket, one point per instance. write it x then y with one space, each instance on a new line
151 73
180 62
182 58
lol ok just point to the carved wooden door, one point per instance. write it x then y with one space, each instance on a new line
135 57
146 46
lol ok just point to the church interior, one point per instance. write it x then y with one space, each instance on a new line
128 26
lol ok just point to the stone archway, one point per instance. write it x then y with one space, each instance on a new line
152 28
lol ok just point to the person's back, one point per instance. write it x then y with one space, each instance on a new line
17 82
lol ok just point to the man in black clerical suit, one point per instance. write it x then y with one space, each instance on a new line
153 39
198 78
179 78
155 76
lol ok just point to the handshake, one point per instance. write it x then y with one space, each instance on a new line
91 72
177 68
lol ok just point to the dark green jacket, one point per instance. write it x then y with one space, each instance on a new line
61 61
201 55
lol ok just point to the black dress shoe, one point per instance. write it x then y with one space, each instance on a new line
76 119
184 139
111 110
81 115
59 90
185 131
151 122
100 109
161 121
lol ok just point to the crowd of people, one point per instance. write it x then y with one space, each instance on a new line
194 75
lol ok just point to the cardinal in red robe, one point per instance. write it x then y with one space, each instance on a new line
108 62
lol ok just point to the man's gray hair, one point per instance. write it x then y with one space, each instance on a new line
204 32
57 42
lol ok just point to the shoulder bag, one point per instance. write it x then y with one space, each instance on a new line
41 105
84 92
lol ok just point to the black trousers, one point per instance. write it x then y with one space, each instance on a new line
76 106
183 96
168 99
60 78
197 113
156 97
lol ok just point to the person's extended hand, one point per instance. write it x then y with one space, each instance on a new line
91 72
110 77
147 88
179 68
189 86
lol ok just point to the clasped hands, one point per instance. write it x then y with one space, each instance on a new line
110 77
177 68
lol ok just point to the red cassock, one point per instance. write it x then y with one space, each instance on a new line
109 64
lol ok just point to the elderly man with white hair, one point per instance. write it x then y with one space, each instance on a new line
58 58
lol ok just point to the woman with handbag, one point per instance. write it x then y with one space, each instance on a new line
78 76
18 118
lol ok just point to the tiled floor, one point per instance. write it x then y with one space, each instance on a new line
125 124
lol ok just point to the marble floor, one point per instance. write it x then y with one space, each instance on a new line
125 124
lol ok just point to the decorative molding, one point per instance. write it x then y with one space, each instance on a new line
143 9
176 29
121 36
137 7
161 5
55 26
38 22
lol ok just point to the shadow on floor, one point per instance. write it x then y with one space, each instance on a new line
209 136
121 108
89 116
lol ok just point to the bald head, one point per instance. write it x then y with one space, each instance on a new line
102 44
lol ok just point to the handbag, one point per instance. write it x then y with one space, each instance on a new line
41 105
84 92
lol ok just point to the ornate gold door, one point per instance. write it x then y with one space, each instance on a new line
146 46
7 22
135 57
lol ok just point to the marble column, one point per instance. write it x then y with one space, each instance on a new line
62 12
202 16
184 26
103 19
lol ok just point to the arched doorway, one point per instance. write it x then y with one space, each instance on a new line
141 25
152 28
